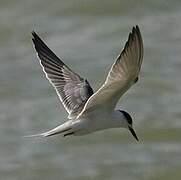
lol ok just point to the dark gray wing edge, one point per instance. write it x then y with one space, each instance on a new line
50 63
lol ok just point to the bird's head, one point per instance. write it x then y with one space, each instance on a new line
129 123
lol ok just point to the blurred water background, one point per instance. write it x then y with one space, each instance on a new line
88 35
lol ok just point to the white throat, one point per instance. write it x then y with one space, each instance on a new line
119 119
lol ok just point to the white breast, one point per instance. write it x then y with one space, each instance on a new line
97 120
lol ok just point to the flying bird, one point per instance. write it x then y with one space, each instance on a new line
90 111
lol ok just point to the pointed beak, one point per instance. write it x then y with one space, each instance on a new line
133 133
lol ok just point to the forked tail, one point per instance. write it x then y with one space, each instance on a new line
66 127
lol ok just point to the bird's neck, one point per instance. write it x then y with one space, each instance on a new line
118 119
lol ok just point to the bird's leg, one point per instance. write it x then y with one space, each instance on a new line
68 134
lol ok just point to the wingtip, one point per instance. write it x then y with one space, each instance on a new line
34 35
37 41
135 29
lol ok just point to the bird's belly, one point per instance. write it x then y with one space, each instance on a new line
91 124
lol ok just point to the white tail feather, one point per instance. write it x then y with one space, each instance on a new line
59 129
35 135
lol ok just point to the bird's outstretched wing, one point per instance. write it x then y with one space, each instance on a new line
72 90
123 73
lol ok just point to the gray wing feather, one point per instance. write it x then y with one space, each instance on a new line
122 75
72 90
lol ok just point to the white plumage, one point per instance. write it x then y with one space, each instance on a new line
88 111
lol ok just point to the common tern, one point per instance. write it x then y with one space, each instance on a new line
89 111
